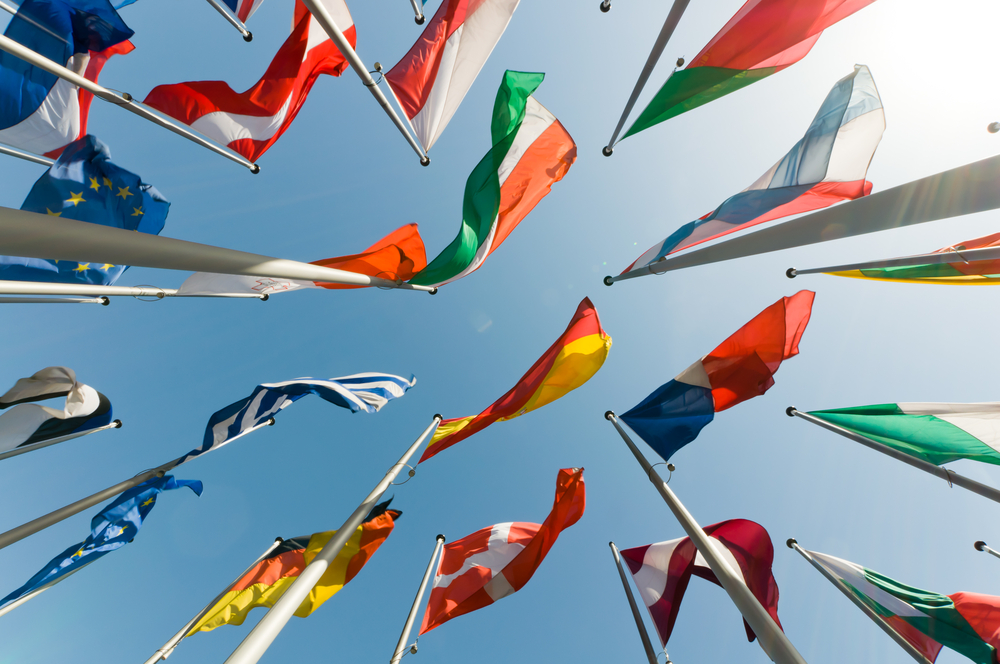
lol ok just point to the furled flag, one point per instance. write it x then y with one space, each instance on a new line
741 367
398 255
569 363
40 112
112 528
27 423
497 561
433 77
85 185
661 571
531 151
267 581
827 165
250 122
968 623
764 37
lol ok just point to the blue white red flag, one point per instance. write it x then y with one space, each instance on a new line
243 9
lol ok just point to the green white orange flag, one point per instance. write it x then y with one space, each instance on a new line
569 363
531 151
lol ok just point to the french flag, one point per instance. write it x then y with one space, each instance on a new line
250 122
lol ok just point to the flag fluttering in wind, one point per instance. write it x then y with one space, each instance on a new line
764 37
112 528
433 77
250 122
243 9
531 151
85 185
829 164
968 623
569 363
497 561
40 112
661 571
267 581
741 367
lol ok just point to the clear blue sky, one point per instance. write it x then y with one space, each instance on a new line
341 178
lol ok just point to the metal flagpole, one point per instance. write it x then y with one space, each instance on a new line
639 625
27 156
770 637
340 41
673 18
949 476
117 424
404 637
233 19
122 99
35 593
263 634
876 618
38 288
55 300
168 648
981 546
953 256
418 12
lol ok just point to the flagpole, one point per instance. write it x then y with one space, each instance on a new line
947 475
769 635
877 619
418 12
263 634
233 19
673 18
340 41
38 288
37 591
953 256
981 546
27 156
55 300
168 648
117 424
122 99
639 625
404 637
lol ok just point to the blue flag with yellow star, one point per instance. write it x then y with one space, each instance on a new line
84 185
114 527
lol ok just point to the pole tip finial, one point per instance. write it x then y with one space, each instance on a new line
790 411
606 6
105 301
607 150
255 169
790 541
993 127
609 281
270 422
419 20
279 539
118 424
437 416
791 273
609 415
440 537
265 297
425 161
433 291
248 37
980 545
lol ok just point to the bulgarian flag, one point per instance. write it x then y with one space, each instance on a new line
531 151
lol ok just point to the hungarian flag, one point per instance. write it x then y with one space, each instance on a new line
661 571
497 561
741 367
433 77
250 122
531 151
268 580
764 37
569 363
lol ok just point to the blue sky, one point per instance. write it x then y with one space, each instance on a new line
342 177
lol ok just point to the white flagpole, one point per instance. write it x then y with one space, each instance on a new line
877 619
27 156
263 634
639 625
953 256
38 288
117 424
233 19
770 637
35 593
55 300
981 546
122 99
947 475
404 637
418 12
673 18
317 9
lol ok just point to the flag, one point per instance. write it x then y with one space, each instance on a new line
960 272
569 363
366 392
433 78
27 423
112 528
531 151
398 255
968 623
244 9
250 122
829 164
497 561
85 185
741 367
764 37
268 580
40 112
661 571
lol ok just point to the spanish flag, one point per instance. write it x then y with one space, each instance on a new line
268 580
569 363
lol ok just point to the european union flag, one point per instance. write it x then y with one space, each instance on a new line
84 185
114 527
